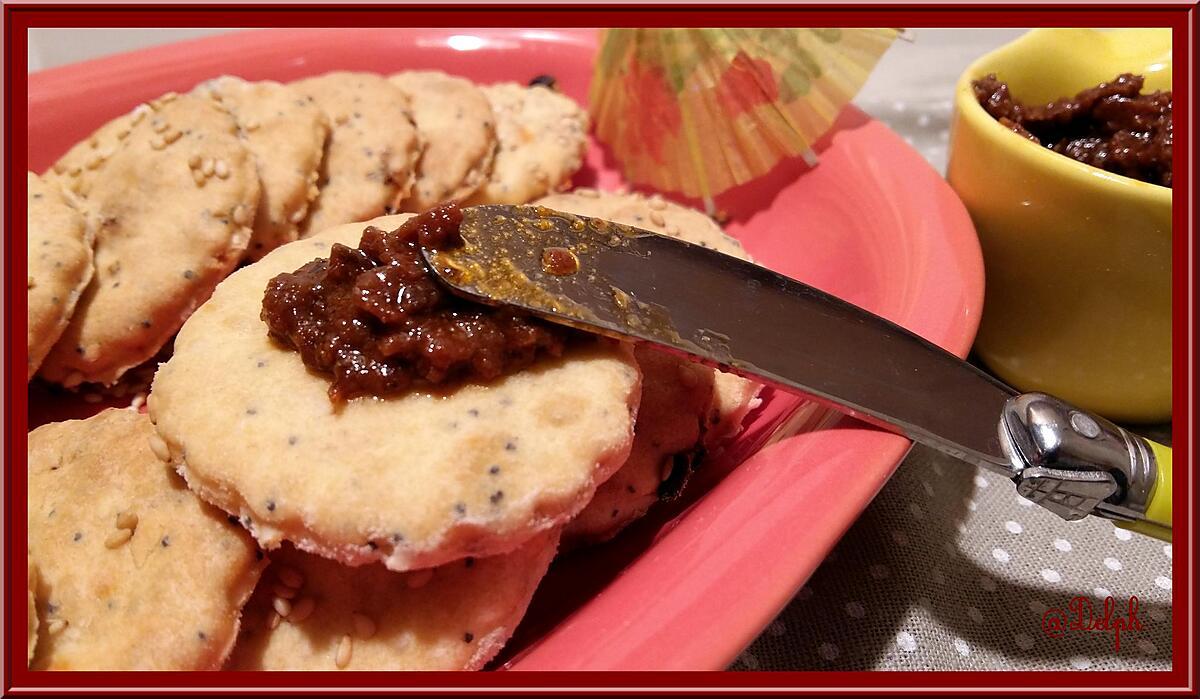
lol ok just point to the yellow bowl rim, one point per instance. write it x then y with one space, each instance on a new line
1039 156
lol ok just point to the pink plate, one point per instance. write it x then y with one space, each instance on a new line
691 585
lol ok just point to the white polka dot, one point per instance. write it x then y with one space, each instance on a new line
1023 641
899 537
855 610
1147 646
937 576
915 510
1167 550
963 648
987 584
923 120
1080 663
975 615
1163 582
1013 527
962 527
829 651
879 571
927 488
1037 607
1001 555
1122 534
906 642
1062 544
777 628
1157 614
1024 501
1112 563
1050 575
1102 592
749 660
981 482
972 505
805 592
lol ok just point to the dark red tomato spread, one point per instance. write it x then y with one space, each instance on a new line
375 318
1111 126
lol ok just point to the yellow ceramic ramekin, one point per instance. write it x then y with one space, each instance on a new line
1078 260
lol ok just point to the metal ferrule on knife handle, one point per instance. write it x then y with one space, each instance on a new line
1074 463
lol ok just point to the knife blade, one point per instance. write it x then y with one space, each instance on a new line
737 316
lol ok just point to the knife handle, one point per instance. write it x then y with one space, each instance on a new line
1158 507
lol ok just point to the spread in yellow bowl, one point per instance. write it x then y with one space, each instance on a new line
1078 260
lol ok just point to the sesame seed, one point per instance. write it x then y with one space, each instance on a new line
282 606
127 520
657 219
207 166
172 137
194 162
364 626
301 609
158 144
290 577
159 125
252 125
298 215
56 625
344 651
198 177
159 447
118 538
241 215
273 620
75 170
657 203
221 168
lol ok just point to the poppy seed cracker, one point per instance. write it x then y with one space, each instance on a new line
542 141
60 265
410 480
163 238
373 149
134 571
456 123
454 617
286 132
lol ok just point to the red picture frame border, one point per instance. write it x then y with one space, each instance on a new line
19 17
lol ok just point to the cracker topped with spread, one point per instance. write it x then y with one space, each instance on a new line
414 480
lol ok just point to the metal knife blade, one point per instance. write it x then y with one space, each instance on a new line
729 313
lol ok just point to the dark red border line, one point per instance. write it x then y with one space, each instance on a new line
18 19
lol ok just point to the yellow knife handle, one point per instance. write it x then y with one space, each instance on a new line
1158 507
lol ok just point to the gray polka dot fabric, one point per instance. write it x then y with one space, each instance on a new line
949 569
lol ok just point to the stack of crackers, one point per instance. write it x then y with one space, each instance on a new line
241 520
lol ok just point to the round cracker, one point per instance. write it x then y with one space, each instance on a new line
285 131
77 170
165 235
670 423
167 598
373 149
455 121
733 396
415 481
542 140
454 617
60 265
